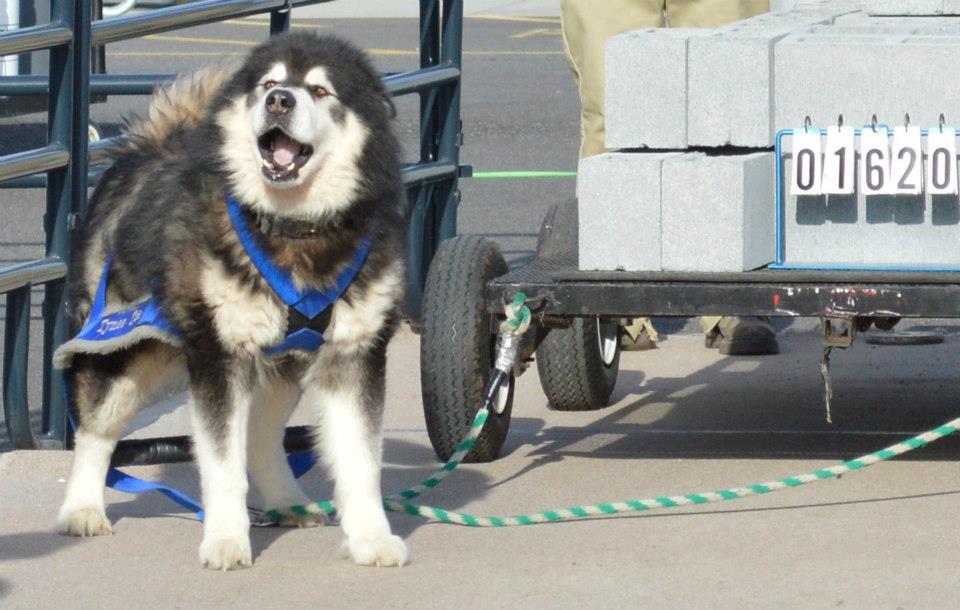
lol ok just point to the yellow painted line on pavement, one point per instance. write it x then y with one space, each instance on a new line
555 20
488 53
537 32
201 40
171 53
266 23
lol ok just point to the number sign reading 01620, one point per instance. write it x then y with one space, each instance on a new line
884 162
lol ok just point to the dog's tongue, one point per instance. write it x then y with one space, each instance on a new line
285 150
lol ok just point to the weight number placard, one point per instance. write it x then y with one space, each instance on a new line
876 165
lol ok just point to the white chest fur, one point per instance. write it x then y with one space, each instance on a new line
245 321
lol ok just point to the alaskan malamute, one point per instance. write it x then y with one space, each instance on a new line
255 214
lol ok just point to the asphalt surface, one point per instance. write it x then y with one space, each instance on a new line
684 419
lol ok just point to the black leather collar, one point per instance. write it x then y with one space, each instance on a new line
273 225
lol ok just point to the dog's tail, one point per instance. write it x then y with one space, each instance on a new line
181 104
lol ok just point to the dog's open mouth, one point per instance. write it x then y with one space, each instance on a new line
282 156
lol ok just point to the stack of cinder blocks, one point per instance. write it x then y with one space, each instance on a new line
693 115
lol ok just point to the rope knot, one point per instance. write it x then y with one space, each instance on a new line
518 315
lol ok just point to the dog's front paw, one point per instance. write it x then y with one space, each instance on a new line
226 553
88 521
383 551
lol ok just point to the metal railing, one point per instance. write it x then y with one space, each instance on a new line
66 166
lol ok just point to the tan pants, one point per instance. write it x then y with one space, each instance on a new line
586 25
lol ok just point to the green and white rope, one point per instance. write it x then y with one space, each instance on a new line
517 321
606 509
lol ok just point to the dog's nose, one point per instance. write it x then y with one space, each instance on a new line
280 101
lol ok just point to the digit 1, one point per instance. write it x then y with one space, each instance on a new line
842 153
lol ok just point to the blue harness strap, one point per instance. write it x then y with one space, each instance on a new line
310 302
103 327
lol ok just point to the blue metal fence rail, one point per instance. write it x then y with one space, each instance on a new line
66 166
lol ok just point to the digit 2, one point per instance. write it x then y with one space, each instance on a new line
913 160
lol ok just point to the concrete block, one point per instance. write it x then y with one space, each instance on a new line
718 212
823 76
933 26
675 88
619 203
646 88
903 7
730 91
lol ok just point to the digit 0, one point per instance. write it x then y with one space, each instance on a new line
941 165
805 156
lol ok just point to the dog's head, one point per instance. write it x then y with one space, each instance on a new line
296 120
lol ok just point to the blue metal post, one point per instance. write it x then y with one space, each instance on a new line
279 21
66 191
420 246
16 346
450 136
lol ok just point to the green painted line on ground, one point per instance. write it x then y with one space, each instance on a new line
520 174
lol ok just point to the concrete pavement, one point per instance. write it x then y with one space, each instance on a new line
685 419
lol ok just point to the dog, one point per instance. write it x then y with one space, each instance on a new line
249 239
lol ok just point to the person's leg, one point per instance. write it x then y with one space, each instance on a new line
586 25
711 13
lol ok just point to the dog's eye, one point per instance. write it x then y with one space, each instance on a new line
270 84
320 91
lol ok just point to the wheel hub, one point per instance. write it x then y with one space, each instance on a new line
608 335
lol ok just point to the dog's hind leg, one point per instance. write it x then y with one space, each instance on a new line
222 391
269 470
107 391
347 390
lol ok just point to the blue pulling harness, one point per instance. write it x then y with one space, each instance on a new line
308 316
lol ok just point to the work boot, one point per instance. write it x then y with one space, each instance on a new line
743 336
638 336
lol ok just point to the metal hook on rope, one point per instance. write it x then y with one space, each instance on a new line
827 380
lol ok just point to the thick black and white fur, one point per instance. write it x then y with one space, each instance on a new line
160 210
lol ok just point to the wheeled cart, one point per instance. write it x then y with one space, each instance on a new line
578 316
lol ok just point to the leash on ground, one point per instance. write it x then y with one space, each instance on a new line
517 321
511 329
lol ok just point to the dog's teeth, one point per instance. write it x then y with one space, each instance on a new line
267 164
290 167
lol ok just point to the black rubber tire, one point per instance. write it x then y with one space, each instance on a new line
570 365
458 346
